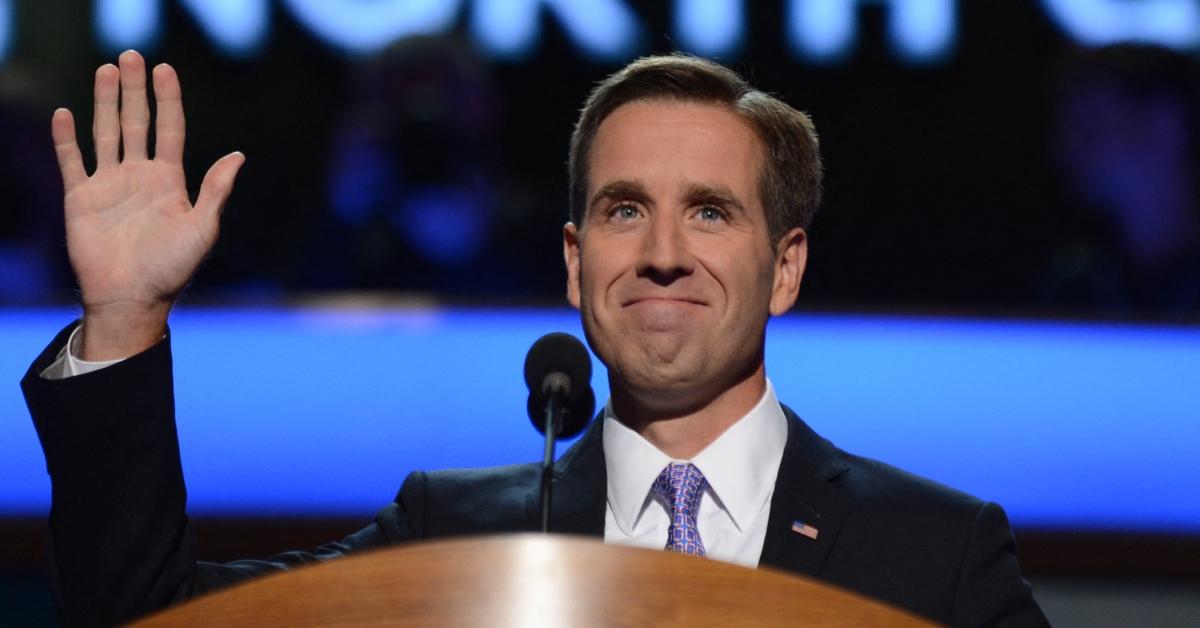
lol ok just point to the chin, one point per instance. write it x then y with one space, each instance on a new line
664 352
676 385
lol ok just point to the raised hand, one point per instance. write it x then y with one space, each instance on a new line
133 236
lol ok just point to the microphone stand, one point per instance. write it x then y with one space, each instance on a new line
553 409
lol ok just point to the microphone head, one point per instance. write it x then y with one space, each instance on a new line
575 416
559 365
579 411
557 353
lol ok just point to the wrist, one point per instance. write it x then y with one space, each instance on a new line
119 331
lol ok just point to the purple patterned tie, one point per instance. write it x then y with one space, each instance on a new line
681 485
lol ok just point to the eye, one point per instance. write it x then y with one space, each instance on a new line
711 213
624 211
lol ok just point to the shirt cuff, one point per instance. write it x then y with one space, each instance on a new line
67 365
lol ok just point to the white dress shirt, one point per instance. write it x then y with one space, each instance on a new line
740 466
67 365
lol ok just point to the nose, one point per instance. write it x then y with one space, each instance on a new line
664 255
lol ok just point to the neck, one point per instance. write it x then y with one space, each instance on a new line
683 430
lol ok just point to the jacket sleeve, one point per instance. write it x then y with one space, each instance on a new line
120 544
991 590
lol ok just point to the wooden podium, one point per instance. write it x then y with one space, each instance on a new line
530 580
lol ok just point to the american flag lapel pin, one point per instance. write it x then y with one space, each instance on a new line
800 527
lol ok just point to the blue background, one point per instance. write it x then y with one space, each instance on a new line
316 412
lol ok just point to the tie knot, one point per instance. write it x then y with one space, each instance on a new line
681 485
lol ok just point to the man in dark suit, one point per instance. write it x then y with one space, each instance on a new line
690 196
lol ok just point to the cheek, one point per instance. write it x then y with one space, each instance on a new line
598 270
591 296
743 276
748 291
599 327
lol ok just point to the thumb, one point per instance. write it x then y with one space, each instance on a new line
218 183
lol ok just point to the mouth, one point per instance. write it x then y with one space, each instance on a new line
660 300
659 314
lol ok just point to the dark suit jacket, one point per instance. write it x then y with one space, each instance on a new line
120 542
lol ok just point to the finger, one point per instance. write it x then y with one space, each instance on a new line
106 128
218 183
70 162
169 122
135 113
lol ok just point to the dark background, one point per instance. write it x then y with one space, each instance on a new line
941 194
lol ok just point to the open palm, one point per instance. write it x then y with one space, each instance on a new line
133 236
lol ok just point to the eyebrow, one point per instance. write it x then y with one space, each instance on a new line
695 194
621 189
718 195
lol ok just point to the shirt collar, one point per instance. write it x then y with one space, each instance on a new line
740 465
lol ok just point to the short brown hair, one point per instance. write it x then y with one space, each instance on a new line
790 183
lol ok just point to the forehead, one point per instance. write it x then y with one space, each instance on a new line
672 145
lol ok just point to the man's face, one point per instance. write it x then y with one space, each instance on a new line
671 268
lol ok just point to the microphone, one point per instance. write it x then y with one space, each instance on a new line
558 373
558 367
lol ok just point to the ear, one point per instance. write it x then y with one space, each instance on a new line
571 259
790 260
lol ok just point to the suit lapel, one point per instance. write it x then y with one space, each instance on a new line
805 497
580 488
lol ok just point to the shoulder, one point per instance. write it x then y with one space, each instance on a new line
949 553
467 501
873 486
493 483
913 541
912 519
492 499
876 486
888 505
